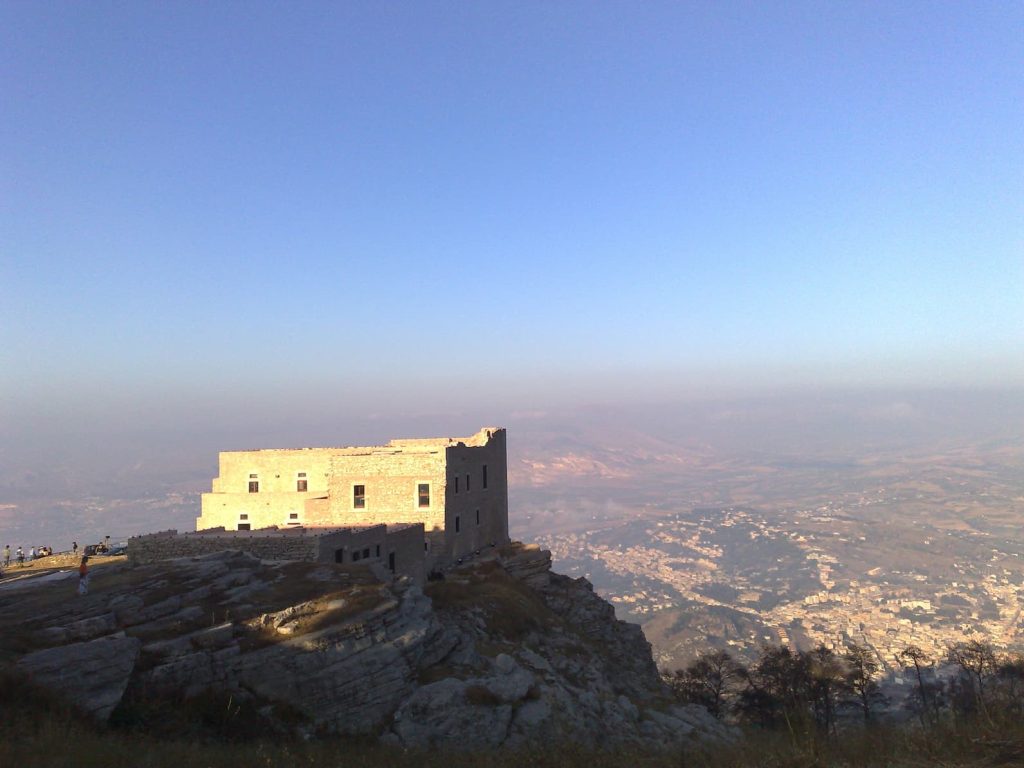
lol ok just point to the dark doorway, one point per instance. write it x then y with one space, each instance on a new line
339 555
391 562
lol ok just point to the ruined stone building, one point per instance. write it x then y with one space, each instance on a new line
455 487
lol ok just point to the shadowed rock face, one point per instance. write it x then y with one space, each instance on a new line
500 653
92 675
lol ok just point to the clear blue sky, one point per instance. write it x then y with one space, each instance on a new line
381 200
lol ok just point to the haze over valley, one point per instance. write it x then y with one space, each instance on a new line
883 518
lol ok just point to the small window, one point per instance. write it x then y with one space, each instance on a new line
358 496
254 483
467 483
424 494
366 553
243 527
378 551
456 483
244 516
457 523
485 477
295 516
355 556
300 483
478 517
391 562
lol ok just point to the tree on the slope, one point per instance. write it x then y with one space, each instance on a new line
777 688
826 676
1010 678
710 681
927 693
859 681
977 663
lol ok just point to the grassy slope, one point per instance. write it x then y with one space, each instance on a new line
35 730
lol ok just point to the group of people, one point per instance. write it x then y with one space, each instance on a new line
20 557
37 552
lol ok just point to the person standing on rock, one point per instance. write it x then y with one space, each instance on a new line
74 548
83 577
21 556
7 556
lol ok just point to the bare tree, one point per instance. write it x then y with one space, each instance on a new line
977 663
826 674
1010 676
859 680
913 656
711 681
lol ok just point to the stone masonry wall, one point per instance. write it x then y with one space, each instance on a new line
475 516
406 542
391 483
169 544
373 544
277 472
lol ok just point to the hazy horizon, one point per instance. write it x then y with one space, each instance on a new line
112 468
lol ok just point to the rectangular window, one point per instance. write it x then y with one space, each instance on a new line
254 483
485 477
243 526
378 551
391 562
244 516
293 515
456 483
355 556
478 517
358 496
366 553
424 494
300 483
467 483
457 523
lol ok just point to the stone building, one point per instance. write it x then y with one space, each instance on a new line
457 487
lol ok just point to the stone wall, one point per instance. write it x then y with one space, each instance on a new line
361 545
277 474
476 511
405 542
288 545
391 484
367 545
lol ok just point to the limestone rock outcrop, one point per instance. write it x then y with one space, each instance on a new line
501 652
92 674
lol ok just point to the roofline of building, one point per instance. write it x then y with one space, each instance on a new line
400 445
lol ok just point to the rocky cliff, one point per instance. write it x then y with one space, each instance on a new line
501 652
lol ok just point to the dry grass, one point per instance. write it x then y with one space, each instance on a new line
58 744
36 729
510 609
